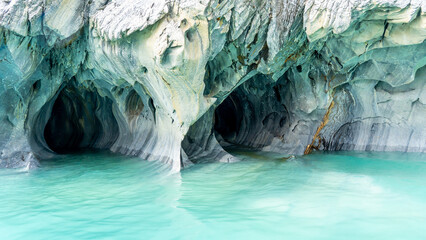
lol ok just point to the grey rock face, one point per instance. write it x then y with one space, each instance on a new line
176 81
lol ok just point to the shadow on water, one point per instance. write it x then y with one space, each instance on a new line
83 157
245 153
102 162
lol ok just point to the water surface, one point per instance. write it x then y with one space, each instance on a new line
320 196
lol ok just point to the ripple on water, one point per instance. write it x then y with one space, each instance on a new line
322 196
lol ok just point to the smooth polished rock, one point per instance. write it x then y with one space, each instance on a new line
179 81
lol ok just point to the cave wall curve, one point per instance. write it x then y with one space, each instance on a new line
308 75
75 119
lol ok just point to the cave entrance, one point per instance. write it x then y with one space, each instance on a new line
80 120
228 118
253 115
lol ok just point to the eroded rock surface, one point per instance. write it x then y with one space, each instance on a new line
176 81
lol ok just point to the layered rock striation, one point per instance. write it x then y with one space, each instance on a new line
176 81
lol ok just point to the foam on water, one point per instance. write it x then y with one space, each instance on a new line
320 196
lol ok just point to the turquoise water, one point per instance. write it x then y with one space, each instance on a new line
320 196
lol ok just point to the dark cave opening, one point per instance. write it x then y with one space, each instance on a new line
253 115
80 120
228 117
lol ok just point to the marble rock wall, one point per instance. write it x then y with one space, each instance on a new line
179 81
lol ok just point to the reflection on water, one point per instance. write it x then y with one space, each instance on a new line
264 196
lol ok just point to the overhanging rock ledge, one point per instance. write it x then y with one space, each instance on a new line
176 81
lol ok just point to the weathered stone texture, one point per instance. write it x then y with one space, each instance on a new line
147 78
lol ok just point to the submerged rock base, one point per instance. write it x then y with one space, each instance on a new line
177 81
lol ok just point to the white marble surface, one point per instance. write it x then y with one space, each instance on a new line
185 57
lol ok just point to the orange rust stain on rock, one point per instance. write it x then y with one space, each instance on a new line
292 57
328 81
324 122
